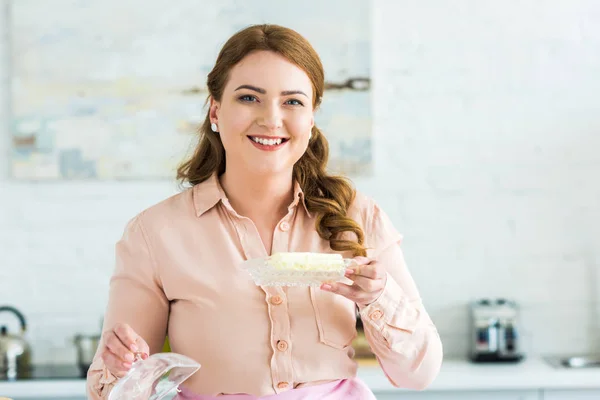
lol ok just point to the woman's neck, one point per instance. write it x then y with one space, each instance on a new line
262 198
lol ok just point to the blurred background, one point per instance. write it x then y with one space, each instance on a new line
476 126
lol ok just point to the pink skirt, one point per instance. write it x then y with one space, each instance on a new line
345 389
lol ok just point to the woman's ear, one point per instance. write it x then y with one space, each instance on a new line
214 111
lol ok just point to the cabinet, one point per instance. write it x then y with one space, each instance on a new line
465 395
593 394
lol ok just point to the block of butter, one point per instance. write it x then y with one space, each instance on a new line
297 269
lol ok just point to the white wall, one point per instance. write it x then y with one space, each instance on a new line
487 138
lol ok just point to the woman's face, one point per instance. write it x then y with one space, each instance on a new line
265 115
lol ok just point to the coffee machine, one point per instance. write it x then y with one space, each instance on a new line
494 331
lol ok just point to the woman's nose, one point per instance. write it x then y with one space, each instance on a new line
271 118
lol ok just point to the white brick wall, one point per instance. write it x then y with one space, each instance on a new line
487 138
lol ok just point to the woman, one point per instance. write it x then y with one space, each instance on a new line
259 186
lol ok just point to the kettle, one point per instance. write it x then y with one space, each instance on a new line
15 352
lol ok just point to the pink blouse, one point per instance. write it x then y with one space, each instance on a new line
178 272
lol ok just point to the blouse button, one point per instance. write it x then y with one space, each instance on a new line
375 315
282 345
276 300
284 226
282 385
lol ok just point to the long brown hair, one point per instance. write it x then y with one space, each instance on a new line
328 197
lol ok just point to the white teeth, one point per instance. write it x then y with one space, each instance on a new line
267 142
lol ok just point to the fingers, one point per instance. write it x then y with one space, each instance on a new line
367 284
143 348
340 288
117 348
127 336
122 344
366 270
351 292
363 260
368 279
115 364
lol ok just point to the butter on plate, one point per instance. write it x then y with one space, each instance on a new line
297 269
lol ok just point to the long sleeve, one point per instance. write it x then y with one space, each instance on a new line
135 298
397 326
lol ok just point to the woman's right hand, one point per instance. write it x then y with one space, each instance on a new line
121 345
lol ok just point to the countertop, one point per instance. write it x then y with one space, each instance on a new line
456 374
460 374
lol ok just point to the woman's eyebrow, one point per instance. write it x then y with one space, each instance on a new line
263 91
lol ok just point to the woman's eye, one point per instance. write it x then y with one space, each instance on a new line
294 102
247 98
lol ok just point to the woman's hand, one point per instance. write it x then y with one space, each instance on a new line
369 280
121 345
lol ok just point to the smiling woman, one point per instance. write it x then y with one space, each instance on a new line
264 89
259 187
264 115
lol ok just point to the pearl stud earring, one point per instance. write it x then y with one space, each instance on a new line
213 126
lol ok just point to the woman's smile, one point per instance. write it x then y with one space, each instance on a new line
268 143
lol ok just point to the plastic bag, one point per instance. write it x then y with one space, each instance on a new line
154 378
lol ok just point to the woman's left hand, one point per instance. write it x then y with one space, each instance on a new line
368 278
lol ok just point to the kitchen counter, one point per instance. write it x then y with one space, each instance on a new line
460 374
456 375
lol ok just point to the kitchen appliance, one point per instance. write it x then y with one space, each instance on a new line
494 331
86 350
15 352
51 372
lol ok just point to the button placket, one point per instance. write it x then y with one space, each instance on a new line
282 345
376 315
284 226
276 300
281 235
281 360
